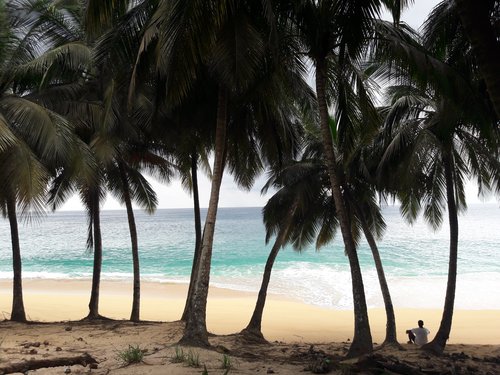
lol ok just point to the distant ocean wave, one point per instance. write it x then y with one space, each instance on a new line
415 258
327 288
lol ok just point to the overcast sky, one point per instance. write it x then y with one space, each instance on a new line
173 196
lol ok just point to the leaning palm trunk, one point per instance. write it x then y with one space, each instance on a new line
197 227
390 329
18 314
195 332
438 344
136 299
96 273
362 340
254 327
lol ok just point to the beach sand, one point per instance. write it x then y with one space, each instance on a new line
291 326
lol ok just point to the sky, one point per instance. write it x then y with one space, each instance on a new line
173 196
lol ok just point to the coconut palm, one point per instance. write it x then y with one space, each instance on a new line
67 86
294 213
181 43
126 182
441 150
362 200
137 147
333 33
439 142
95 98
43 142
306 181
440 130
188 138
230 43
176 132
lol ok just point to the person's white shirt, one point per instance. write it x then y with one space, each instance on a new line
421 334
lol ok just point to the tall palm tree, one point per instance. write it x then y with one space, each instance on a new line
362 197
176 131
441 150
137 149
182 35
332 32
440 129
96 100
229 40
294 213
65 84
128 185
191 182
188 137
306 181
42 141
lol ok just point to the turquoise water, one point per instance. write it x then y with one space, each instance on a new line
415 257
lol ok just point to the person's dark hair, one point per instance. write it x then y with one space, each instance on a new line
420 323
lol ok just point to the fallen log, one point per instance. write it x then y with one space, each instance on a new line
379 363
34 364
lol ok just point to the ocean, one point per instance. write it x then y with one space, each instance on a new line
415 257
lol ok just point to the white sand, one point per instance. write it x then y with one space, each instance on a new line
228 311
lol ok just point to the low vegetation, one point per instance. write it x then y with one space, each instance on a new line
133 354
191 358
227 363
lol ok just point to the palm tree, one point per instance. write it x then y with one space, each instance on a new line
96 99
440 155
187 136
331 32
362 198
334 32
127 184
137 147
306 182
182 43
439 130
294 213
230 43
42 142
190 181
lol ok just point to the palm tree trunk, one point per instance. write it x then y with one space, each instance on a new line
438 344
475 17
195 332
197 227
390 329
18 314
136 299
254 327
362 340
96 273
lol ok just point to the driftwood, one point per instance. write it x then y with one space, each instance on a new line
34 364
395 366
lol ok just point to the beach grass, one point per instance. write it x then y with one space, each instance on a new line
133 354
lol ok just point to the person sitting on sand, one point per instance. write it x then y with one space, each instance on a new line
418 335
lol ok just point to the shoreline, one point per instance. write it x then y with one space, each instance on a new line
228 311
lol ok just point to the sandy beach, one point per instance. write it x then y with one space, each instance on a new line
287 323
228 311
